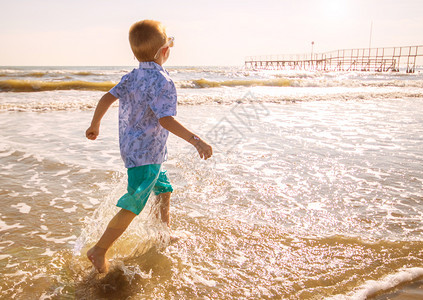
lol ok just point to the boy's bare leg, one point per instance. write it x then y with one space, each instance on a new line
117 226
164 204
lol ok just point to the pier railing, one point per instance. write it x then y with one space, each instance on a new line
391 59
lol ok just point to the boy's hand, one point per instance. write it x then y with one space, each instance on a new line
102 107
169 123
92 132
204 149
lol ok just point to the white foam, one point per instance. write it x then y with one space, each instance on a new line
195 214
65 192
18 273
11 265
45 190
22 207
63 172
315 206
10 243
4 226
101 186
25 156
53 201
8 167
199 279
13 194
93 201
56 240
131 271
35 178
372 287
70 210
5 154
48 252
240 257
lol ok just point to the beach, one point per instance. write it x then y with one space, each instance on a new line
413 291
314 190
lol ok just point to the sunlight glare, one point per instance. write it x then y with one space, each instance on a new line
334 8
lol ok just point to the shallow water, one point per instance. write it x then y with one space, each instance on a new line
302 200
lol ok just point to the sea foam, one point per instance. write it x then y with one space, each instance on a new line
373 287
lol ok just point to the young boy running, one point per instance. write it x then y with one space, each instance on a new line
147 106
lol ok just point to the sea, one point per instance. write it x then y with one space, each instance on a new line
314 190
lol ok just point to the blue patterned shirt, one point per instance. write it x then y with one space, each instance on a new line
145 95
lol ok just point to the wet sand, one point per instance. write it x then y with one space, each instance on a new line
413 291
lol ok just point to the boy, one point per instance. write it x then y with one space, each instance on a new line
147 105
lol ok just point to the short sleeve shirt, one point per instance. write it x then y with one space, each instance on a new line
145 95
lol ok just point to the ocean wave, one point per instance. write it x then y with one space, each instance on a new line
297 82
86 73
374 287
35 74
30 74
14 85
58 74
351 83
205 83
38 86
43 106
17 85
50 106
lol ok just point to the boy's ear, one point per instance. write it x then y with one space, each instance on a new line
164 51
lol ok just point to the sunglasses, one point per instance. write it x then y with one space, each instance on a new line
170 42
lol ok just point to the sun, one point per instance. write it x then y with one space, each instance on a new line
334 9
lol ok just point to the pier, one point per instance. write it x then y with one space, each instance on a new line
390 59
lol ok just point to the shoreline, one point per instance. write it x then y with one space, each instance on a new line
406 291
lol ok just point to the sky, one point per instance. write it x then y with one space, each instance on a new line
207 33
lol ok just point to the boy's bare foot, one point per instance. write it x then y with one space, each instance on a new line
97 256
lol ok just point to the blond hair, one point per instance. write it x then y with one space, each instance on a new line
145 38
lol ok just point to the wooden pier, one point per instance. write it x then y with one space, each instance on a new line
392 59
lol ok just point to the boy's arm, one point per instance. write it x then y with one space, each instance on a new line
204 149
102 107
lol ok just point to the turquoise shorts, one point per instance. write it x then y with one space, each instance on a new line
141 182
